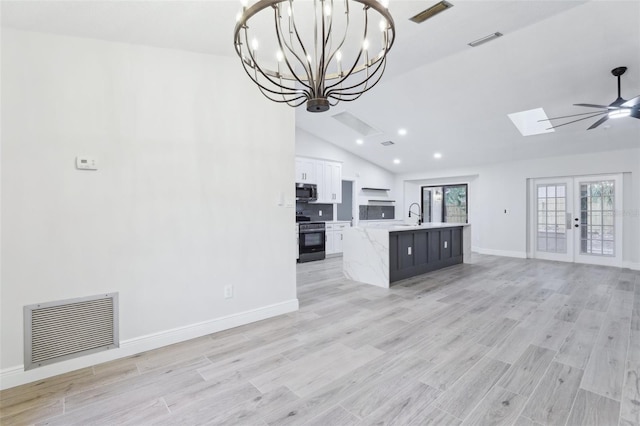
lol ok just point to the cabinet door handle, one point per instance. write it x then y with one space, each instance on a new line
340 237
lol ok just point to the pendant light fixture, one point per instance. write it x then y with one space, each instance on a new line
317 52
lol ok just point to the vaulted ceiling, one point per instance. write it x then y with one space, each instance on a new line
451 98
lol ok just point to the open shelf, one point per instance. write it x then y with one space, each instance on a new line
375 189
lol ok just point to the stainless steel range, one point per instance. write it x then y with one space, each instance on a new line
312 241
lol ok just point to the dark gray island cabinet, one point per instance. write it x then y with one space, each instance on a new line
420 251
381 255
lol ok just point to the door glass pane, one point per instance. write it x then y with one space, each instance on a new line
426 204
597 220
455 203
561 244
551 202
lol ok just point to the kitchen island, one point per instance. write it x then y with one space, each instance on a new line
381 255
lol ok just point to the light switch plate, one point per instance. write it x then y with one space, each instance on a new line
228 291
86 163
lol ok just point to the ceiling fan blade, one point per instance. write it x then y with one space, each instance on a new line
569 116
599 122
580 119
593 106
632 102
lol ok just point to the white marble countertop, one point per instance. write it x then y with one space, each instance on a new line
395 227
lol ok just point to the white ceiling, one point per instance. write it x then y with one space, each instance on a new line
451 98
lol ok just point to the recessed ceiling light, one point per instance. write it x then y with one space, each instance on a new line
396 161
359 141
437 155
402 132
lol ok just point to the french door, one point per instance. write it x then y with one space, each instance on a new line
574 219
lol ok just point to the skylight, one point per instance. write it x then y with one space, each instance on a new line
529 124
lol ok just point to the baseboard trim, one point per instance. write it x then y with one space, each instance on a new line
503 253
631 265
16 376
523 255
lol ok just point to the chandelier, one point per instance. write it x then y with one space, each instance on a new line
319 51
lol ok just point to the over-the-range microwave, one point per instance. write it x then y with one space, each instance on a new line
306 192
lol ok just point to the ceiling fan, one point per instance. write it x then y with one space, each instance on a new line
618 108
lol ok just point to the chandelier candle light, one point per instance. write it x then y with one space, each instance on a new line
319 52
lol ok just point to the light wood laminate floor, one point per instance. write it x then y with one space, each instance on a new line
498 341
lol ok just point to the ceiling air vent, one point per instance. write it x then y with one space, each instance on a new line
387 143
485 39
431 12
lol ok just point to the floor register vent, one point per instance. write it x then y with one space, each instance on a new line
65 329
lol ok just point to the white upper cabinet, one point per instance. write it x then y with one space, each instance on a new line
306 170
332 182
326 174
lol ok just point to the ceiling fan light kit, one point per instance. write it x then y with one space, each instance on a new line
317 52
619 113
616 109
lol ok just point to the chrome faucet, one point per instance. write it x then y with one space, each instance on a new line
419 215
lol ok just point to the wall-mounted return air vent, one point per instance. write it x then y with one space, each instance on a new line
387 143
65 329
431 12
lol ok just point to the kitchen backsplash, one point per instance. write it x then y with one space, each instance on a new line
313 211
377 212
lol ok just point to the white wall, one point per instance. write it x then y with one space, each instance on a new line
186 147
501 186
364 173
